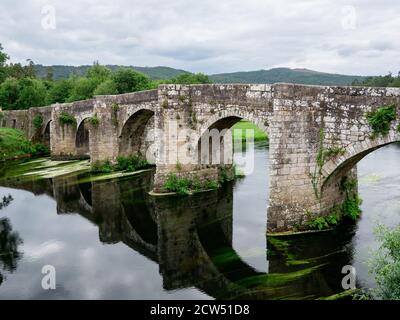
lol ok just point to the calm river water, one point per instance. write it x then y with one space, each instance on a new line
110 240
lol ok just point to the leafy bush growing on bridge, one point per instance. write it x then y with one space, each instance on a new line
102 166
114 113
351 206
94 121
333 152
66 119
38 121
381 120
184 186
129 164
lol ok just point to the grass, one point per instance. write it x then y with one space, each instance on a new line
14 144
244 125
128 164
183 186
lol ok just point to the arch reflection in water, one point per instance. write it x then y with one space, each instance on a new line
191 239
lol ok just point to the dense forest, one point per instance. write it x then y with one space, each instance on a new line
64 72
275 75
30 85
21 88
381 81
303 76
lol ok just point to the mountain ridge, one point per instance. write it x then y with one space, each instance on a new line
274 75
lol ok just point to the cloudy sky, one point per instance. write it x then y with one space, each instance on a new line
351 37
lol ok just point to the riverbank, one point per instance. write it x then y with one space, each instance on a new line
239 131
14 145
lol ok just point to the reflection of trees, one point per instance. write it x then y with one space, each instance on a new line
6 201
9 242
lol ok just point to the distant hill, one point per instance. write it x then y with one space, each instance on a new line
63 72
302 76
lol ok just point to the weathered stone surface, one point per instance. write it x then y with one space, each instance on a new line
178 116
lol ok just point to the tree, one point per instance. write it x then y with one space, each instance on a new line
190 78
128 80
49 73
106 88
9 93
385 264
30 69
98 72
3 59
32 94
60 91
9 245
83 89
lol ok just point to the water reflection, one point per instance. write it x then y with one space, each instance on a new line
190 239
111 240
9 242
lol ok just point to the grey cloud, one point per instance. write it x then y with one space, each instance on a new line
208 36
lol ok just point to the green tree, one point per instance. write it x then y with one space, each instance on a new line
106 88
385 264
191 78
99 72
3 59
32 94
60 91
9 93
30 69
128 80
380 81
49 74
83 89
15 70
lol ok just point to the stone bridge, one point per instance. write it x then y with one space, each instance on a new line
167 126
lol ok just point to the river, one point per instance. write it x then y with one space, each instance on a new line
111 240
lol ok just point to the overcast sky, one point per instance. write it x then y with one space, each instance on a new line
211 36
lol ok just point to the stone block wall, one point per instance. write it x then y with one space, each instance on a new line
167 124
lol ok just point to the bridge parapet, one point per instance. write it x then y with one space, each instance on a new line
302 122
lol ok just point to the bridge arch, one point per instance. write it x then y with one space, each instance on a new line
82 138
238 115
131 136
223 122
340 165
46 134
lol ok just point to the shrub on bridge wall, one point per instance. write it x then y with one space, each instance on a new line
131 164
38 121
128 164
94 121
184 186
349 211
67 119
351 206
323 223
114 113
334 152
381 120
